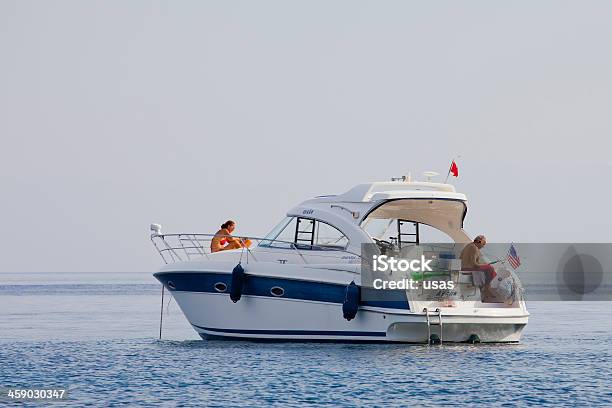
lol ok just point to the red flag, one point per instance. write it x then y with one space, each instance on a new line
454 170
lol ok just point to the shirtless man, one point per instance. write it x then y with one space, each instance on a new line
223 239
471 259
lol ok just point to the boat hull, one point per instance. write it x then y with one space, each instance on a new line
214 315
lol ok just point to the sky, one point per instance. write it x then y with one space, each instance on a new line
114 115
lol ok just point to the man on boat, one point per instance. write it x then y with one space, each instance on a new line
223 239
471 260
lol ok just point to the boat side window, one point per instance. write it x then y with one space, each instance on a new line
328 236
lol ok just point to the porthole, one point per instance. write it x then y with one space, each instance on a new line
220 287
171 285
277 291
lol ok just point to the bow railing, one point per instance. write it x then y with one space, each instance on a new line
189 246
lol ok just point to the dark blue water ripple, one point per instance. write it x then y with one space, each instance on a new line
246 374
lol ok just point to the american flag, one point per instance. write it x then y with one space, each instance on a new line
513 258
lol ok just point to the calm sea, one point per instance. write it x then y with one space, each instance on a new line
96 335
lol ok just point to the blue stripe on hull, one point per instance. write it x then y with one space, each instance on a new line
293 289
296 332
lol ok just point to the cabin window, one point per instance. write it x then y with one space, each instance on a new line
328 236
305 233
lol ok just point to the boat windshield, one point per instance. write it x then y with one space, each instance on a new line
272 235
304 233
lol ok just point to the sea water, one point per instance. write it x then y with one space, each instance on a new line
96 335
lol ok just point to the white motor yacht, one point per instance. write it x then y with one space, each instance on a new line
306 280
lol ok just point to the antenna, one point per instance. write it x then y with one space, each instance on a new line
156 229
430 174
407 178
